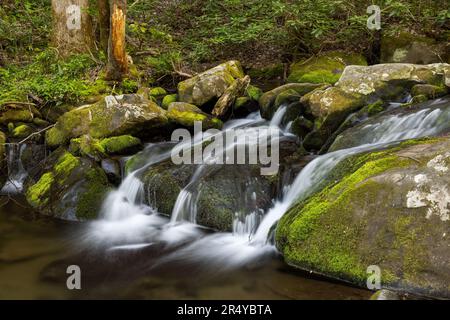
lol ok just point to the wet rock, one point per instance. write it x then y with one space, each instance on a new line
186 115
243 106
113 116
360 133
268 99
386 208
326 68
113 171
385 295
17 113
429 91
73 189
209 85
409 48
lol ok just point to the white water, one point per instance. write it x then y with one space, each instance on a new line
127 224
16 172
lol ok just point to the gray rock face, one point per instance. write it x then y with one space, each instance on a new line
113 116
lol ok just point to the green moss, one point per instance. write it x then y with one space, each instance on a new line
254 93
241 101
327 68
65 164
22 131
157 92
375 108
168 99
90 201
38 194
120 144
309 235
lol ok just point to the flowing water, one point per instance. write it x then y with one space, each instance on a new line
137 251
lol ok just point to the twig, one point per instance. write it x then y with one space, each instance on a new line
18 103
31 135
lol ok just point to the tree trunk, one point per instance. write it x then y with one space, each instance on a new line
117 58
72 26
104 22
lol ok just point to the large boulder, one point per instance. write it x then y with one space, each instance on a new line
326 68
268 100
209 85
409 48
112 116
387 209
72 189
186 115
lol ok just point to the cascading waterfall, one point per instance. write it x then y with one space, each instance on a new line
16 171
126 221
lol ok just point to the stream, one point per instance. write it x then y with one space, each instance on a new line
132 251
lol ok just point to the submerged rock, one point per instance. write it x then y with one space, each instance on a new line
113 116
73 189
209 85
219 195
385 208
186 114
326 68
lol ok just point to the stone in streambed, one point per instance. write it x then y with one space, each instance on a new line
73 189
209 85
186 115
113 116
386 208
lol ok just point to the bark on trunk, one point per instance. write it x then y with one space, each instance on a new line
104 22
117 57
228 98
72 26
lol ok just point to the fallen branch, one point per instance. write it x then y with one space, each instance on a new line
18 103
32 135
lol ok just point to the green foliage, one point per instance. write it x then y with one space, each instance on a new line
50 78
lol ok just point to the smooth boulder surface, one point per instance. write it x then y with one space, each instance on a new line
209 85
385 208
113 116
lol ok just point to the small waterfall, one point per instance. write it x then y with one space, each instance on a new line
16 172
127 221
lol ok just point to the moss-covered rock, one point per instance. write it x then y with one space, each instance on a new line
222 193
157 92
22 131
17 113
209 85
386 208
113 116
428 90
267 101
186 115
72 190
168 99
326 68
254 92
405 47
98 149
